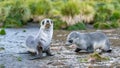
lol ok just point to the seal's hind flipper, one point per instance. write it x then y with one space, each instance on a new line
27 52
109 51
36 57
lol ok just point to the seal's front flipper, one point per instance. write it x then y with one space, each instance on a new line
49 53
39 54
77 49
90 49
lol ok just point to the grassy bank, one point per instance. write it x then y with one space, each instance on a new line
66 14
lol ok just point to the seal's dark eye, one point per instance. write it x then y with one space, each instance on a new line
43 23
70 41
51 22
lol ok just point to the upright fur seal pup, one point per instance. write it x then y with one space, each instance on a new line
41 42
89 41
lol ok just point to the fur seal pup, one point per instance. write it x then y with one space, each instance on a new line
89 41
41 42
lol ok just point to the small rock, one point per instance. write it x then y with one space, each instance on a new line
55 48
24 30
2 66
2 31
92 60
2 48
19 58
57 63
90 66
72 46
50 62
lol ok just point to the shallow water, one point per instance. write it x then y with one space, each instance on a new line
65 57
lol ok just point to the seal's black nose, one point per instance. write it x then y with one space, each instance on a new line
47 21
70 41
47 24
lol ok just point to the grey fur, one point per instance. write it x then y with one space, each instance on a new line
89 41
41 42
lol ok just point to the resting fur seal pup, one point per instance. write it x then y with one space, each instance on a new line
41 42
89 41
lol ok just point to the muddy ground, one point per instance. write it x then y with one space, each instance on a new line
64 57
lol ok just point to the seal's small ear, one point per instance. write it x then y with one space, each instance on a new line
77 32
51 22
77 38
43 22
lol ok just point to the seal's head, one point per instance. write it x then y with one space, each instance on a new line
46 24
71 38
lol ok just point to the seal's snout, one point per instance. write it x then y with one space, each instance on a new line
47 25
67 44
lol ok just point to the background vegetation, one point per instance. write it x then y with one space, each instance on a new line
66 14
